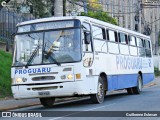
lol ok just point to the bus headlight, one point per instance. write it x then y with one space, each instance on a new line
70 76
19 80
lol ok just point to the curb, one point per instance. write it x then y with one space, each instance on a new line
35 104
20 106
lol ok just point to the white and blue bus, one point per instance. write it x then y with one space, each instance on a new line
77 56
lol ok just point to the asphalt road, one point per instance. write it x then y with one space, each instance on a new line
148 100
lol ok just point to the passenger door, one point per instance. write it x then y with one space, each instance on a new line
87 50
100 48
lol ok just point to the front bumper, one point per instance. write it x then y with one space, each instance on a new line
55 90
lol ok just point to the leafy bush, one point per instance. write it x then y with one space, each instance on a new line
156 71
103 16
5 74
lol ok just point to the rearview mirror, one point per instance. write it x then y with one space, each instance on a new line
87 37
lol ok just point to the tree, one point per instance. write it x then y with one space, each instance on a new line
103 16
94 4
95 11
52 7
1 2
45 8
40 7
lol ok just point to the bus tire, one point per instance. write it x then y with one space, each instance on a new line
130 91
138 88
47 102
99 96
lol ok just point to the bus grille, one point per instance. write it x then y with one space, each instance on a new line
45 88
42 78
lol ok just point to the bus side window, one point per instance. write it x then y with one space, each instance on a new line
87 47
123 40
107 34
132 40
141 49
112 38
98 33
104 33
99 36
147 48
132 45
139 42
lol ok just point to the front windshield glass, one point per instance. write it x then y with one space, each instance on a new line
62 46
26 45
53 47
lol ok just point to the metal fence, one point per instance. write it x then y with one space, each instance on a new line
8 21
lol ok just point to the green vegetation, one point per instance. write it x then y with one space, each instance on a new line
95 11
156 71
2 40
39 8
5 74
103 16
1 1
94 4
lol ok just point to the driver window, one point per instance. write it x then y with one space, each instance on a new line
86 48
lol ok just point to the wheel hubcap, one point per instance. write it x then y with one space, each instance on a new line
140 84
100 90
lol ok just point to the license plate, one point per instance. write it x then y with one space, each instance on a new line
44 93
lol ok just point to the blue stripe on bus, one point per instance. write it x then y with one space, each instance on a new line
148 78
116 82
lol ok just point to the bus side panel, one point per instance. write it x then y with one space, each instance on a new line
147 77
112 82
122 81
116 82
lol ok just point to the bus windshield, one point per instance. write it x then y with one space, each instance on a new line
48 47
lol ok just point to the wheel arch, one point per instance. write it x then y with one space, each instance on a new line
141 74
105 80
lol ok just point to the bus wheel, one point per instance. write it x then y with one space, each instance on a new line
99 96
47 102
129 91
138 88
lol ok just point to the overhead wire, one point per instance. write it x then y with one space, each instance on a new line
154 21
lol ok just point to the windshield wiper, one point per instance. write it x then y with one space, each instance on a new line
32 56
49 56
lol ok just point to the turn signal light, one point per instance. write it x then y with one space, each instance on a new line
78 76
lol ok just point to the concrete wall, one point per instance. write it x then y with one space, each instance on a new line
156 61
3 47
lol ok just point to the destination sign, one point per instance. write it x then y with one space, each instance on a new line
48 25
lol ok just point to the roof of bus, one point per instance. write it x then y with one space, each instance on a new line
84 18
